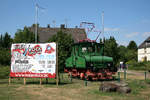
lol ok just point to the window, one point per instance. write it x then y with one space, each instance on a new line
84 49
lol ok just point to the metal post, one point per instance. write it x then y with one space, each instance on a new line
118 76
145 75
62 76
71 77
125 74
85 81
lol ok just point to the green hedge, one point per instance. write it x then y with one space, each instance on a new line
133 65
4 71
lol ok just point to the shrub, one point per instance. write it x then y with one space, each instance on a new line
4 71
133 65
5 56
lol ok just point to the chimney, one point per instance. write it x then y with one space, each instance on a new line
62 26
48 26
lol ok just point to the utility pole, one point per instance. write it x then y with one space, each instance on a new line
66 22
36 22
103 26
54 23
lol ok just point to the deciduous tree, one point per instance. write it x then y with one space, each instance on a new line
132 45
24 36
111 49
65 42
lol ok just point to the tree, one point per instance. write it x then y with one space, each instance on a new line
5 56
24 36
132 45
122 53
65 42
6 41
1 41
111 49
131 53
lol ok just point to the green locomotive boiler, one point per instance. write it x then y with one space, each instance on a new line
87 60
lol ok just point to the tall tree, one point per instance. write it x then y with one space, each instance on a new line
1 41
5 56
132 45
65 42
6 41
122 53
131 53
111 49
24 36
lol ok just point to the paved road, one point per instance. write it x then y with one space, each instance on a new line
137 73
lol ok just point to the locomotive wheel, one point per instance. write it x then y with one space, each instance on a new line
82 76
69 74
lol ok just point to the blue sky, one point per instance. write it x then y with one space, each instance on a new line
126 20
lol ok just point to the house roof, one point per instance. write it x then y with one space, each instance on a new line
45 33
145 44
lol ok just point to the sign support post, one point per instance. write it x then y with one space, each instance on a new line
40 81
24 81
57 76
46 80
9 80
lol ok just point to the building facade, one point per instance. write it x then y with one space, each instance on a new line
144 51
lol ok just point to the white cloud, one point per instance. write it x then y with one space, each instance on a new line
146 34
111 29
132 34
125 43
145 21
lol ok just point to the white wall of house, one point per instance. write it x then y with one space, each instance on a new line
142 53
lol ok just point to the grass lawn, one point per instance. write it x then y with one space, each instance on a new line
70 91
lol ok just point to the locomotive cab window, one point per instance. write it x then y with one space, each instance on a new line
84 49
90 49
98 49
87 49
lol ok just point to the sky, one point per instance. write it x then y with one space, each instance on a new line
126 20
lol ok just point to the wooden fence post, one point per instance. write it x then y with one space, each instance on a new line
40 81
24 81
9 80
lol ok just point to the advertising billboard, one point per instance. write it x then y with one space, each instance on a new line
33 60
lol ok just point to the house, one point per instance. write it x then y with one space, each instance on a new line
45 33
144 51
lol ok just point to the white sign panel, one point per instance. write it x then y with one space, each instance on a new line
33 60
